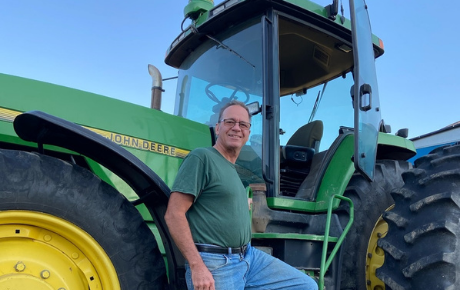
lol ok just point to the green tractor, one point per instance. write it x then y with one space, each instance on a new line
84 179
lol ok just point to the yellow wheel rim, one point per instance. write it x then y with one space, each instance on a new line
375 255
40 251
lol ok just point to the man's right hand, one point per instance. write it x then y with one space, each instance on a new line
201 278
175 218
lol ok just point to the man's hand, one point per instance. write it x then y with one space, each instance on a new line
201 278
250 203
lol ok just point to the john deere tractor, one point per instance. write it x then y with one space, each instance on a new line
84 179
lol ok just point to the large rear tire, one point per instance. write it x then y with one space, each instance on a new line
422 247
61 227
370 199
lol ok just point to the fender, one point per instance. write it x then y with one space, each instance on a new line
394 147
42 128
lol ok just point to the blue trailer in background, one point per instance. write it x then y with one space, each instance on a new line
448 135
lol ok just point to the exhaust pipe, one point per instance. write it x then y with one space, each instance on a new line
156 87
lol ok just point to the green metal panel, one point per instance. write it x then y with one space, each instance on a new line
337 175
98 112
195 7
335 180
171 137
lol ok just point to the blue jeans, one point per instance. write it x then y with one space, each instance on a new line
254 270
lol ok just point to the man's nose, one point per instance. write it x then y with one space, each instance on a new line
237 125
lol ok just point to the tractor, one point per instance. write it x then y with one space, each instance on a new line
84 179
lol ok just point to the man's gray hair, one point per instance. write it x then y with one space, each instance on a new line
233 103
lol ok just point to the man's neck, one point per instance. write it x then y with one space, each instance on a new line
229 154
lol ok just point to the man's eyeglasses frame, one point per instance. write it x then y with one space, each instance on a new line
231 123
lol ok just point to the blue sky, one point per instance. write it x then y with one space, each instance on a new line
104 47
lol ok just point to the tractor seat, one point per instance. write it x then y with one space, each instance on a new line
308 135
297 155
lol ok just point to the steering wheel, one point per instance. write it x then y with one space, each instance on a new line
233 96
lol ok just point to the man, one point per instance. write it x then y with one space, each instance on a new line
208 217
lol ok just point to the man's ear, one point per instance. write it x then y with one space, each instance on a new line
216 129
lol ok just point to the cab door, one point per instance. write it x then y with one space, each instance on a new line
365 91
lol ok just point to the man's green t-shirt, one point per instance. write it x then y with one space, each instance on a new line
220 213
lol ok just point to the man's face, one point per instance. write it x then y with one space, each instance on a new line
233 137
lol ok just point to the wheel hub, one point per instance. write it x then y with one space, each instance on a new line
375 255
42 252
23 281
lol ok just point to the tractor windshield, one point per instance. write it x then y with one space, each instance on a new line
227 67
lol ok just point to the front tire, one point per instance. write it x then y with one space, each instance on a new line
422 247
62 227
370 199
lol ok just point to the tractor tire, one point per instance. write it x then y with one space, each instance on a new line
370 200
422 247
61 227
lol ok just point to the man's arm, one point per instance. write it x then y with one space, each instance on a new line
178 205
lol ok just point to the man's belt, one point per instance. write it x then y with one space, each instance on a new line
221 250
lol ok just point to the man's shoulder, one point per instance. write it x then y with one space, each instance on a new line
208 155
202 151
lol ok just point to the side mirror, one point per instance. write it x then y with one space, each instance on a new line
403 133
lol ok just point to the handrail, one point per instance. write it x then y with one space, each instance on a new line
326 263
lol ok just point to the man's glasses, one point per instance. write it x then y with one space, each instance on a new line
231 123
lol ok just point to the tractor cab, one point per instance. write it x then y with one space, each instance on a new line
291 60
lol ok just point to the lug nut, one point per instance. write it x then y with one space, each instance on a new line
20 266
45 274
